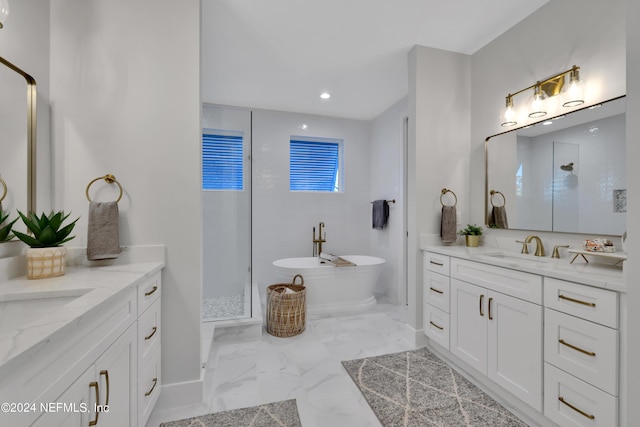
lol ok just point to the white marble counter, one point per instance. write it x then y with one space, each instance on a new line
593 274
95 285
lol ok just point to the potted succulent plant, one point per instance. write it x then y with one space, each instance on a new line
46 256
5 231
472 234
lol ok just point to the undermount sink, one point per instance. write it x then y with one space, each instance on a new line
21 308
517 258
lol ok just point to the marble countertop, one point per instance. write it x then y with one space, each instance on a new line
592 274
94 285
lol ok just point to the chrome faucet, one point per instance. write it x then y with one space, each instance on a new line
539 246
317 242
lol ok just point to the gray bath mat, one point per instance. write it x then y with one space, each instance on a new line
277 414
416 388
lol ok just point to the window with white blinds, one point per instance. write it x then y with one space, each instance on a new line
315 164
222 162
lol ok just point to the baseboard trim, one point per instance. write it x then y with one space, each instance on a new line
415 337
176 395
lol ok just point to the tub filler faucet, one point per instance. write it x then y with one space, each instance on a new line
317 242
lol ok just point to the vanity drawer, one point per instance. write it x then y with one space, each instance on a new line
436 263
593 304
436 324
436 290
149 388
515 283
148 334
149 292
581 405
584 349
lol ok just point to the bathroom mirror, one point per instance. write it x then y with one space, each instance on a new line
563 174
18 136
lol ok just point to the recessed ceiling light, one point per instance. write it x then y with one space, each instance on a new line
325 95
547 123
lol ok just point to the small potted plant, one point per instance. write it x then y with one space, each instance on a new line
46 256
472 234
5 231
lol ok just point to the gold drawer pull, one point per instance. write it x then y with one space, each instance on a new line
436 263
481 300
439 327
95 385
584 414
153 332
590 304
106 377
155 288
155 381
588 353
436 290
490 300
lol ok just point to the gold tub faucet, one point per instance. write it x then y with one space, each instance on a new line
317 242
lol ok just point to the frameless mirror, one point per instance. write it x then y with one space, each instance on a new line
17 133
565 174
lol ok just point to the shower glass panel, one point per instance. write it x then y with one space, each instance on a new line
226 201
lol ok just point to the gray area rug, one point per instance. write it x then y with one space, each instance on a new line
416 388
277 414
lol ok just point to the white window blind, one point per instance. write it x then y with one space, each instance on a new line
222 162
315 165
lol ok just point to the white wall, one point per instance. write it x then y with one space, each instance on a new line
125 90
631 344
387 173
283 220
439 99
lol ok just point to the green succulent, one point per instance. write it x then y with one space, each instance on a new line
5 232
46 229
471 230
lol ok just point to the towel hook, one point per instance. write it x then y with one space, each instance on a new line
493 193
445 191
109 179
4 192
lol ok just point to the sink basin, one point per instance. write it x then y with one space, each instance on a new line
517 258
21 308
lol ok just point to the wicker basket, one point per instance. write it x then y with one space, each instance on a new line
286 311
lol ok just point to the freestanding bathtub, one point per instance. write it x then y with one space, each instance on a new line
330 288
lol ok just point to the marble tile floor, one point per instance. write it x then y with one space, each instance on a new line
248 372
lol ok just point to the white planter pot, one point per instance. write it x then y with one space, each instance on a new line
45 262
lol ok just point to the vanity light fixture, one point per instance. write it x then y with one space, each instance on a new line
572 95
4 12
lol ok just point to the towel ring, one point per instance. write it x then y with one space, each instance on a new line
4 192
109 179
445 191
493 193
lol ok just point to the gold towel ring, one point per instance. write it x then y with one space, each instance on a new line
493 193
445 191
4 192
109 179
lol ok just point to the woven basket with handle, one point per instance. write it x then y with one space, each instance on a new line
286 308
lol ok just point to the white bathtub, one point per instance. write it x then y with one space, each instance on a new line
331 288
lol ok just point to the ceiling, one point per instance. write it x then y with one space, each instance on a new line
281 54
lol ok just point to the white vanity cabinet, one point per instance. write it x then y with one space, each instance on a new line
581 354
495 333
102 368
436 298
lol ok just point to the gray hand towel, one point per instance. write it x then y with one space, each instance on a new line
380 214
448 231
499 217
103 241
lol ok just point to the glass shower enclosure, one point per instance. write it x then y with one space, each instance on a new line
226 201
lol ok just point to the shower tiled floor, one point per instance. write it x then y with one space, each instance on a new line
223 308
242 373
